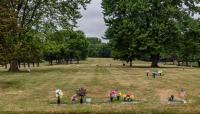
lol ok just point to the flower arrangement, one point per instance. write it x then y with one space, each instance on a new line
59 95
160 72
183 95
81 93
117 94
128 97
147 72
74 98
114 94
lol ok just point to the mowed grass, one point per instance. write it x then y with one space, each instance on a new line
35 91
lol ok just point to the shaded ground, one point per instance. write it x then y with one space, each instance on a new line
35 91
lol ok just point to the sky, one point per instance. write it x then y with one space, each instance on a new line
92 23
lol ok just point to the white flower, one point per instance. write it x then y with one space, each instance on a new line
184 101
59 93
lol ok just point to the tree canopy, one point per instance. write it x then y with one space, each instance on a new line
65 45
148 27
22 21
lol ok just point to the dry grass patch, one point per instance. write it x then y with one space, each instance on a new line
34 91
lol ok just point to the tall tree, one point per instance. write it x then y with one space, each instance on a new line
189 42
38 15
145 27
8 29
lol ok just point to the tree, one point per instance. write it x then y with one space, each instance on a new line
145 27
65 45
8 29
38 15
104 50
189 44
98 49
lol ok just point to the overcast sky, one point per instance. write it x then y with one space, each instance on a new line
92 22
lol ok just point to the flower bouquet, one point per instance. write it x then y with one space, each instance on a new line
114 94
59 95
128 97
81 93
74 98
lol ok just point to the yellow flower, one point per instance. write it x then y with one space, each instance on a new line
120 94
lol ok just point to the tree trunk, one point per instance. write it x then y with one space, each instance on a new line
70 60
67 61
38 64
50 62
28 65
14 67
179 64
198 63
155 60
19 64
77 60
173 62
24 65
131 63
187 64
6 66
165 62
33 64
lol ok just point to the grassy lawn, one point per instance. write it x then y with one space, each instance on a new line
35 91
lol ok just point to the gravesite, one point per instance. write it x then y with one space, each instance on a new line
100 56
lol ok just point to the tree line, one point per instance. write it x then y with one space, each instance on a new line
98 49
29 28
65 46
153 30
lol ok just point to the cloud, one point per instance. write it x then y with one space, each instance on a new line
92 22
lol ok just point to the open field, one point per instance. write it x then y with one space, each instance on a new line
35 91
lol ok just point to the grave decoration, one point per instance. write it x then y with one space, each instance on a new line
172 100
81 93
183 95
115 94
128 97
147 72
154 73
160 72
59 95
74 98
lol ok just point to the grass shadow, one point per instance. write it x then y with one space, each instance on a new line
10 84
138 66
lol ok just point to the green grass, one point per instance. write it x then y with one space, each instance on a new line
34 92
